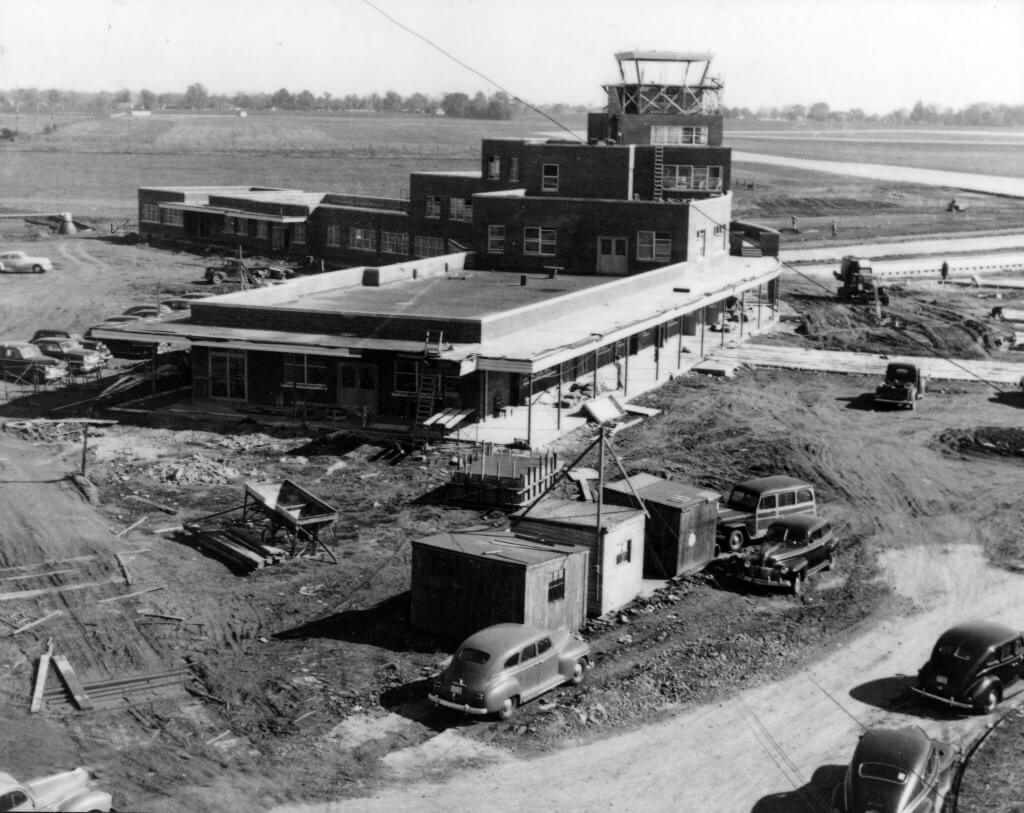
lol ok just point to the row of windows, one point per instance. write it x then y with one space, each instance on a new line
494 168
460 209
152 213
686 177
676 134
539 241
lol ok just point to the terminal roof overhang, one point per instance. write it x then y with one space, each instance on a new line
580 327
229 212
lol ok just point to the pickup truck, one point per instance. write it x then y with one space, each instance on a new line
68 790
904 385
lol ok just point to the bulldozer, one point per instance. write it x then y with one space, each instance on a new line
858 283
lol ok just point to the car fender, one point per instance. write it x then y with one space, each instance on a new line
90 799
568 658
981 686
497 693
795 565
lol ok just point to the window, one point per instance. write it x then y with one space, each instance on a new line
261 229
623 551
529 653
767 503
307 372
513 169
512 661
804 495
494 167
677 176
394 242
427 246
173 217
227 374
653 246
556 586
362 239
150 213
675 134
495 239
460 209
786 499
539 242
298 236
702 242
333 234
549 178
543 645
721 238
707 178
14 800
433 205
406 374
229 225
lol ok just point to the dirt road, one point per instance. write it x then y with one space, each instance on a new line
781 747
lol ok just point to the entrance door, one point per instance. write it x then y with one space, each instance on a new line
611 255
357 385
278 238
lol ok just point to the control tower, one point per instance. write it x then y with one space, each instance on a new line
665 97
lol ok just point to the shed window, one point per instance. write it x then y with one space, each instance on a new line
556 587
433 207
549 179
623 551
495 239
653 246
362 239
539 241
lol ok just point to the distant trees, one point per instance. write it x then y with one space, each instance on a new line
196 97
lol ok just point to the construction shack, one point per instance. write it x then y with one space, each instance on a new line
462 582
501 478
615 574
680 535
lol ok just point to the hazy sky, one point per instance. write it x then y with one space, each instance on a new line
875 54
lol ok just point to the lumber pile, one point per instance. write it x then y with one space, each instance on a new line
239 549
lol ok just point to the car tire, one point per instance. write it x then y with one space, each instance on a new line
508 708
37 269
217 278
797 584
989 700
579 670
735 540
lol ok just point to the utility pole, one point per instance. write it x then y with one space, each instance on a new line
85 446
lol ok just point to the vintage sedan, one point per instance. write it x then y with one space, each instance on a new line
897 770
972 666
793 549
24 363
20 261
68 790
499 668
88 344
78 359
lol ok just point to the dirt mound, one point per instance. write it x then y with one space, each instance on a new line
985 440
195 469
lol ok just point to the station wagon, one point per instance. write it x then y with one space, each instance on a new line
752 506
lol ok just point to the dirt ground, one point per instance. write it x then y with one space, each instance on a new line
312 681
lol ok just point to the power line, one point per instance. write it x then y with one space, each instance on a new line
470 68
933 350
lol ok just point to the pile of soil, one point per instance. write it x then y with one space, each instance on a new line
193 470
985 440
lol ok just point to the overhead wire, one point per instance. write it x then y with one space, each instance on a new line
473 70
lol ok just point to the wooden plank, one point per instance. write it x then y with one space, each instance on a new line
145 500
72 682
45 591
38 621
124 568
41 674
132 527
41 574
130 595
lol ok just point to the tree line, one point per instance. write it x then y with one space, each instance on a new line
978 114
196 97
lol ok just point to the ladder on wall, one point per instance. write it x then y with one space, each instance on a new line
659 172
426 397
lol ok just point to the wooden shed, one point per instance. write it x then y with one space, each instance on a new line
463 582
680 535
617 554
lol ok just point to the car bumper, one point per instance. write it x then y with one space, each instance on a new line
448 704
938 698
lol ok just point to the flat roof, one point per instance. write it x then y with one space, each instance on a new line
576 513
665 56
664 492
501 546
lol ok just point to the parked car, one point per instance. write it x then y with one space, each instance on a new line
755 504
78 359
232 268
793 549
88 344
897 770
68 790
20 261
904 385
499 668
23 362
972 665
148 311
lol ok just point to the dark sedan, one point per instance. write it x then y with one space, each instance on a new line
972 666
794 548
897 770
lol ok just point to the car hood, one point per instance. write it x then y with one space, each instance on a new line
729 516
772 553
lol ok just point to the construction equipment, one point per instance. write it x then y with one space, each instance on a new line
858 283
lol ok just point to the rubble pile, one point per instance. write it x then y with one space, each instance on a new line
194 470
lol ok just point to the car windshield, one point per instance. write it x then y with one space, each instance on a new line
886 773
31 352
900 374
68 345
777 533
742 500
469 655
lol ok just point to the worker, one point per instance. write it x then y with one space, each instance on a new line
792 220
944 270
835 227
